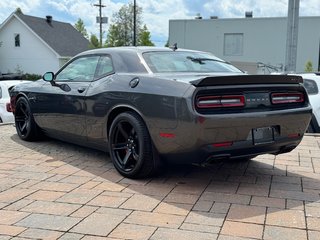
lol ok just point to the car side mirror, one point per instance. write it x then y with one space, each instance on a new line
48 76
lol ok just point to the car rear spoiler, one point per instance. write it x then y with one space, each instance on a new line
247 79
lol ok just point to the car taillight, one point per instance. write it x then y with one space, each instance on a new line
8 107
220 101
281 98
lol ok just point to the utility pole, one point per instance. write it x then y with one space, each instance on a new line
134 23
100 19
292 35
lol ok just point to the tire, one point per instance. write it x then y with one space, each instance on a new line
131 148
24 121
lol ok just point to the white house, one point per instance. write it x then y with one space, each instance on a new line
36 45
257 45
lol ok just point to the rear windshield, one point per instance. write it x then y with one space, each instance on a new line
160 62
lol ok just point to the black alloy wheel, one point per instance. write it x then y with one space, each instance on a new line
130 146
25 125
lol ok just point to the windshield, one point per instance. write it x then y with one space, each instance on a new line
161 62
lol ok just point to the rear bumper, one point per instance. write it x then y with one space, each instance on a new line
194 139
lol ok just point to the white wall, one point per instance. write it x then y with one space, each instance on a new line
33 56
264 39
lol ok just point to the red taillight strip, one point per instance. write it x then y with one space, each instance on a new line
221 101
223 144
279 98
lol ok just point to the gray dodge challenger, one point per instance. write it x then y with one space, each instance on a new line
146 105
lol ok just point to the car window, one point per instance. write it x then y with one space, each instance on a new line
104 67
80 70
186 62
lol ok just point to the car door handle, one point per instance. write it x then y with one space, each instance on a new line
81 89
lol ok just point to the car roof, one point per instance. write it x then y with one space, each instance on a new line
134 49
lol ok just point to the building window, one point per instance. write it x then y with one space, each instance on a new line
233 44
17 40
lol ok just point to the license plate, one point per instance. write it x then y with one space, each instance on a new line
263 135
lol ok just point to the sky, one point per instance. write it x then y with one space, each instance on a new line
156 13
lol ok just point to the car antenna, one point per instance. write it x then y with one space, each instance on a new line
174 47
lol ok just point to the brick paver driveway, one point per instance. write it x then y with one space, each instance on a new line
54 190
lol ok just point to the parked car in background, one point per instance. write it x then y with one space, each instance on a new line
312 85
5 115
148 104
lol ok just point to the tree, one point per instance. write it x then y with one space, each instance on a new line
121 31
94 41
144 37
19 11
308 67
79 25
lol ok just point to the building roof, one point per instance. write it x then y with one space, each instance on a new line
60 36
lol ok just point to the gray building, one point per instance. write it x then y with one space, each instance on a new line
256 45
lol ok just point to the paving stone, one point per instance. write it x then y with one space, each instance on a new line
7 183
286 218
200 228
75 179
84 211
50 222
225 198
176 234
13 195
313 223
281 233
141 202
41 234
71 236
55 186
268 202
55 208
203 206
254 189
173 208
214 219
79 196
43 195
220 207
223 187
181 198
11 217
248 214
131 231
110 186
11 230
16 206
240 229
98 224
160 190
107 201
155 219
114 211
225 237
313 235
